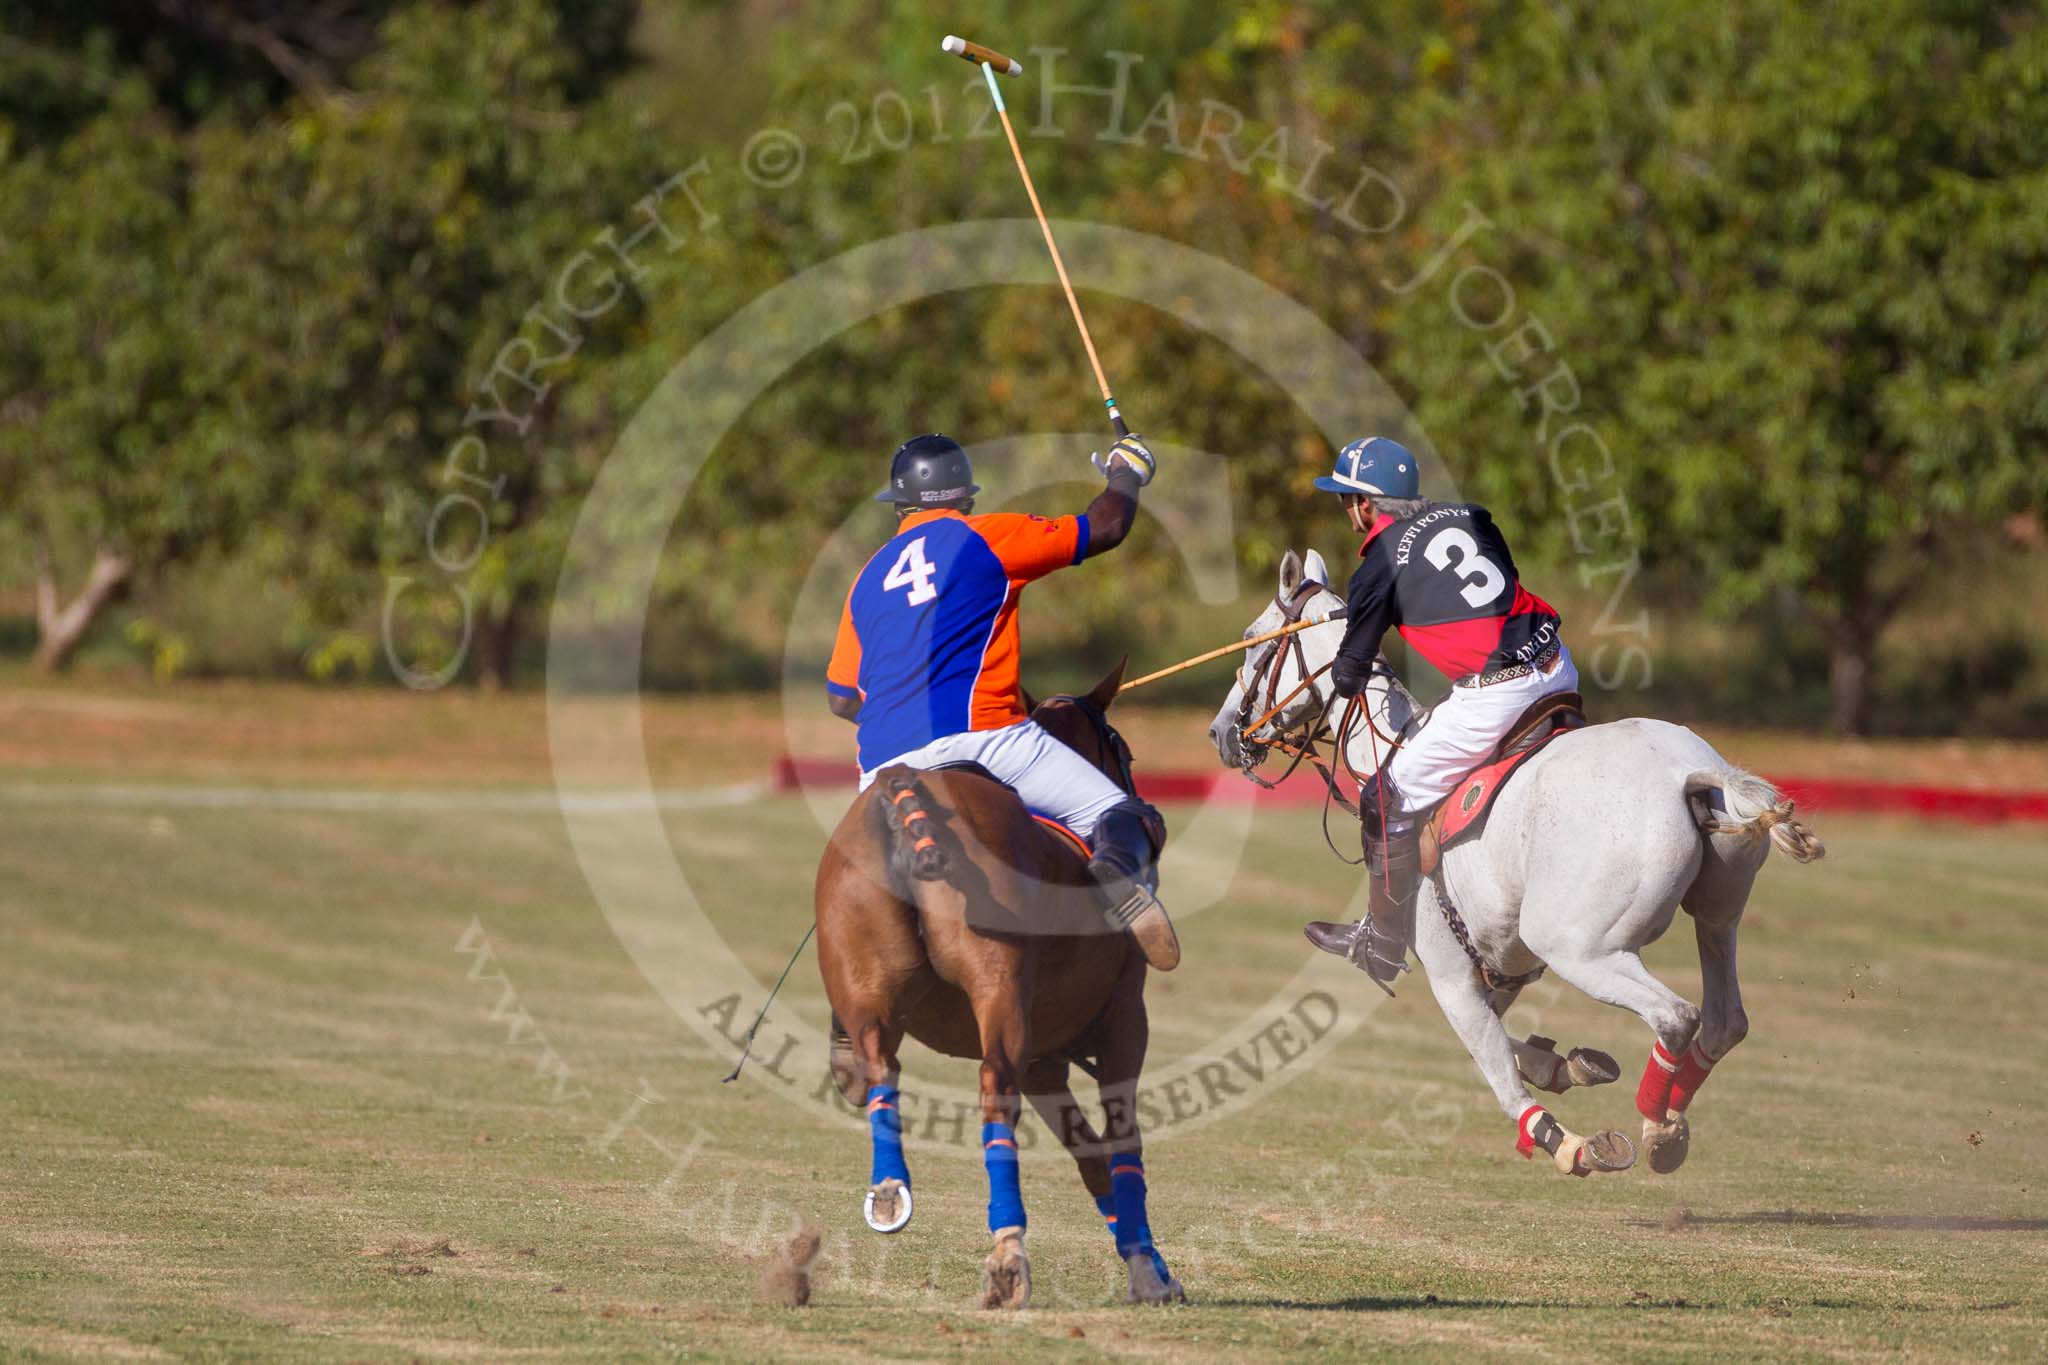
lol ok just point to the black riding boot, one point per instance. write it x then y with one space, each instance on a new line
1378 944
1122 867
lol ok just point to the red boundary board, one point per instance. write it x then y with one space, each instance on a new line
1820 795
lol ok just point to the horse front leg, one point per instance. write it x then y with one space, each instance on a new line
1127 1033
1046 1086
1470 1009
1545 1068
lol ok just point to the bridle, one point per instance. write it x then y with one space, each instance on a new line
1261 702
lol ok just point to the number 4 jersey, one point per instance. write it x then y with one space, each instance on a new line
1446 579
928 639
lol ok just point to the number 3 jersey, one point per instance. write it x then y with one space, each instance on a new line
1446 579
928 638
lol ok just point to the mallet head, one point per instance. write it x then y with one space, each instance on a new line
975 52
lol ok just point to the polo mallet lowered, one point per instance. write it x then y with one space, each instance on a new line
990 61
1238 647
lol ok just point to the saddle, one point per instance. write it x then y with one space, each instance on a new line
1462 814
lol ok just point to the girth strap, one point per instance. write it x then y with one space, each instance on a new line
1488 977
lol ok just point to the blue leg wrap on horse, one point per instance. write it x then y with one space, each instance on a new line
1105 1204
1005 1195
1127 1190
885 1126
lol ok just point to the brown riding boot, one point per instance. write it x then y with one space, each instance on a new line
1378 944
1123 870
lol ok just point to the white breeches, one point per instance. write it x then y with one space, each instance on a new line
1052 779
1464 728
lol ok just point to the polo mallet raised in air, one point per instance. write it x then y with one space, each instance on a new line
990 61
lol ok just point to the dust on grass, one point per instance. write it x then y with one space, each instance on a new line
786 1280
408 1257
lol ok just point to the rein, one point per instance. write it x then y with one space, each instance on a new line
1262 688
1302 745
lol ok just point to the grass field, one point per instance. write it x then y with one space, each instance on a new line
385 1085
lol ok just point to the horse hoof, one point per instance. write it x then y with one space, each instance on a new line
1006 1275
1544 1069
1608 1151
1667 1143
1587 1067
888 1206
1148 1285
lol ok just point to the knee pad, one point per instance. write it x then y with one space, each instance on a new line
1375 794
1144 814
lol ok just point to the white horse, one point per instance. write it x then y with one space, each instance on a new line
1585 858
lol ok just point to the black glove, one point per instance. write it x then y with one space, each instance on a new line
1371 801
1128 453
1347 677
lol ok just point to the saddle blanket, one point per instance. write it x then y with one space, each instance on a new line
1462 815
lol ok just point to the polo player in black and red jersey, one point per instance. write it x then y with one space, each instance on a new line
1441 574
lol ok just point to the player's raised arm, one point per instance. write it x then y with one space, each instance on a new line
1129 467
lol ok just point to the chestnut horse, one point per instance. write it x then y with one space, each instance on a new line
947 912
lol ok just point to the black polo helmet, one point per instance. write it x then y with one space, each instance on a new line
929 471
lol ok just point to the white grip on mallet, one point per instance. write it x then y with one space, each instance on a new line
975 52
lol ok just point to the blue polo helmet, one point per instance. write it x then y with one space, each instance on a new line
1374 466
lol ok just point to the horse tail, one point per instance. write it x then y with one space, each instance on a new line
911 828
1754 810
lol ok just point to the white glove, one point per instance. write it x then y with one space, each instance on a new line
1130 452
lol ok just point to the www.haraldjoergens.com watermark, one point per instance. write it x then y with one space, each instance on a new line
1354 198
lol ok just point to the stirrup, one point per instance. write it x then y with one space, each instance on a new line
1373 953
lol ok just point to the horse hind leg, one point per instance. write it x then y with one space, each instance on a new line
874 968
1672 1084
999 1011
888 1205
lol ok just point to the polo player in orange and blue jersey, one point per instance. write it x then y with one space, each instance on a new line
928 655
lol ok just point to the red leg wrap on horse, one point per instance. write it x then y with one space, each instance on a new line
1653 1095
1525 1138
1692 1073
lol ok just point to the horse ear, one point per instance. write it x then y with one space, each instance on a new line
1290 574
1314 570
1104 692
1030 702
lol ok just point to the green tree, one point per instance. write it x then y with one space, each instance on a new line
1793 257
107 468
369 256
116 459
255 267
